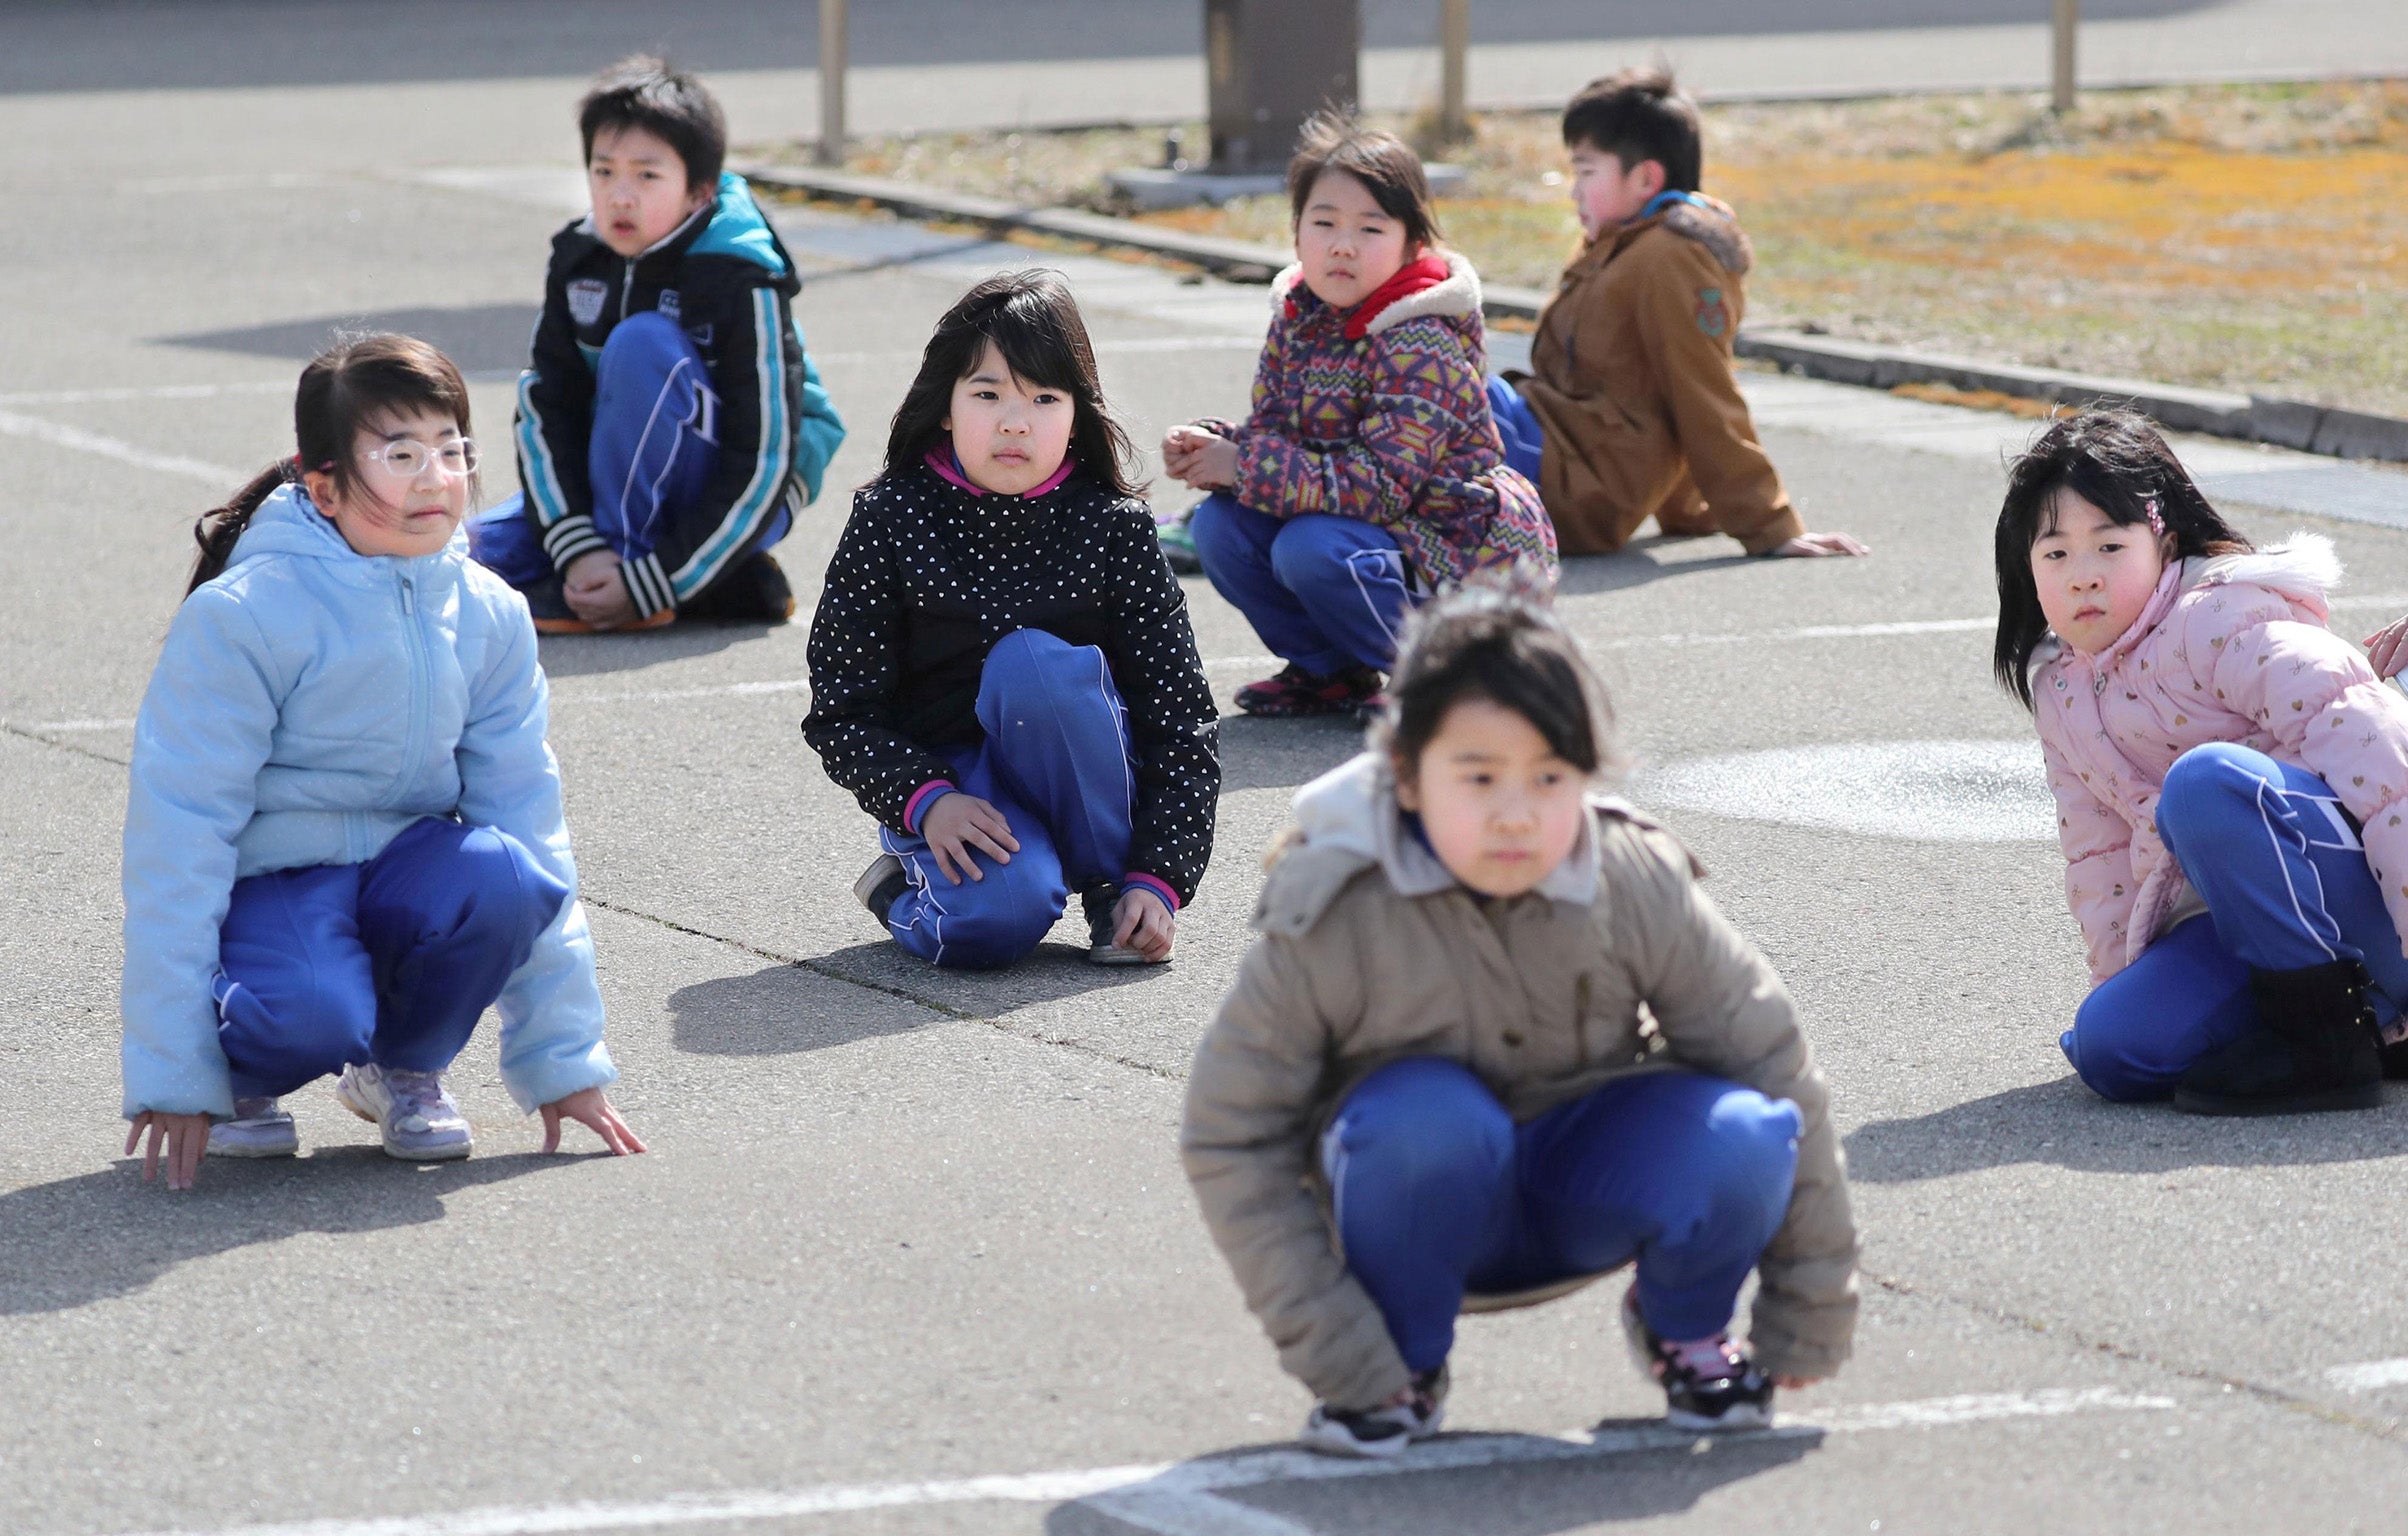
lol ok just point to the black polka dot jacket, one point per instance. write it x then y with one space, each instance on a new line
929 575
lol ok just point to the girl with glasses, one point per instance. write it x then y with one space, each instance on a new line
343 834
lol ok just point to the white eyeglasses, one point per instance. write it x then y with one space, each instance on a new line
406 461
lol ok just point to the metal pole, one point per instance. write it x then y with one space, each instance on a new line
1454 49
2061 70
831 81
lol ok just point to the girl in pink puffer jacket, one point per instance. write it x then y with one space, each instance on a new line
2229 776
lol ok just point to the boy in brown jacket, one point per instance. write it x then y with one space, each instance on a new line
1493 1042
1631 408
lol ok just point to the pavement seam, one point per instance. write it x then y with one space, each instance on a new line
2274 1397
888 989
23 734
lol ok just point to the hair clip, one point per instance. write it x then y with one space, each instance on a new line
2157 524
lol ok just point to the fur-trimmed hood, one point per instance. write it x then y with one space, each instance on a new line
1714 224
1456 296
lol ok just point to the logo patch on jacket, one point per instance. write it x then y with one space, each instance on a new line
585 299
1712 317
671 304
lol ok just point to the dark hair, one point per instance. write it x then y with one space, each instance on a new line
1033 321
1638 115
1382 162
1496 638
644 92
2116 461
350 385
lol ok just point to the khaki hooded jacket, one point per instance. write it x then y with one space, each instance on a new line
1632 383
1370 951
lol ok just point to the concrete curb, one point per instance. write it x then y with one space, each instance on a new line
2297 424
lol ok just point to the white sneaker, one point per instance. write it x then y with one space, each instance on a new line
260 1128
419 1121
1374 1433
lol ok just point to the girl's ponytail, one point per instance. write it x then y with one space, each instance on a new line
217 530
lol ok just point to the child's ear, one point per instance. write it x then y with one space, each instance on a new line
699 196
1408 783
321 487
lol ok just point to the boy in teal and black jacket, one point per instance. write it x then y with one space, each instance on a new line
670 426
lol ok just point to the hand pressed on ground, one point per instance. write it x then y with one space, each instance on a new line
957 823
596 590
1811 546
183 1137
1144 922
2387 648
589 1107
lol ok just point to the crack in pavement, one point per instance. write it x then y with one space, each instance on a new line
2272 1396
906 994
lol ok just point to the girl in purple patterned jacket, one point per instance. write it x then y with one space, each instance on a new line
1370 473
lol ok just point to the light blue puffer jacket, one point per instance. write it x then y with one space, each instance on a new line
309 704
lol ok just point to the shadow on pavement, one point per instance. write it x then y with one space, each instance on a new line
772 1012
1635 566
2066 1125
601 655
1500 1485
102 1235
488 339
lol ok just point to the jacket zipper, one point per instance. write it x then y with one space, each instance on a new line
420 705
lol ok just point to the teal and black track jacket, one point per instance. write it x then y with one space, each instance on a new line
726 278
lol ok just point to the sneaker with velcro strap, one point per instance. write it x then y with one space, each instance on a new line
1709 1384
1373 1433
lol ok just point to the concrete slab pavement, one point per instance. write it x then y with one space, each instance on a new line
2133 1319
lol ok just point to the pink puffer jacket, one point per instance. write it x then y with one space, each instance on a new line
2228 649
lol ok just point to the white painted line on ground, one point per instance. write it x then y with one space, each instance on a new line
1177 1499
2373 1376
1918 791
64 436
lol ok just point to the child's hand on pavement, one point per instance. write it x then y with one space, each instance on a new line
596 590
589 1107
1810 546
2387 648
1142 921
958 823
184 1137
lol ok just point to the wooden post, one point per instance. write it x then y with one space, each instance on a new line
2061 64
1454 50
831 81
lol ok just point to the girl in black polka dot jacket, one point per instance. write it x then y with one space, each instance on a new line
1002 670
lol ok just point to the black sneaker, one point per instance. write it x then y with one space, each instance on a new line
1100 903
880 884
1738 1397
1372 1433
754 591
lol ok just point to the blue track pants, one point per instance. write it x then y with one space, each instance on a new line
1057 763
1518 425
1326 593
1437 1191
655 442
2269 848
390 962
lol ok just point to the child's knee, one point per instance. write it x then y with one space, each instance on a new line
649 340
2113 1059
995 921
1032 675
309 1019
2206 783
1420 1121
465 887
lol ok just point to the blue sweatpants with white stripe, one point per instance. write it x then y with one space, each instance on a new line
390 961
2269 848
1057 763
1437 1192
655 442
1326 593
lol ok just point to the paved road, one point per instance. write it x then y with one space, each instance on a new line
912 1252
483 73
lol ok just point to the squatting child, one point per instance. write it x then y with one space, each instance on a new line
1369 474
1435 1087
343 834
1002 670
670 426
1631 409
2231 781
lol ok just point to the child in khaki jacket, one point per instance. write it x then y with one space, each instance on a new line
1631 409
1431 1090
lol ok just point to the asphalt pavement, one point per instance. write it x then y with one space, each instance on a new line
912 1251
